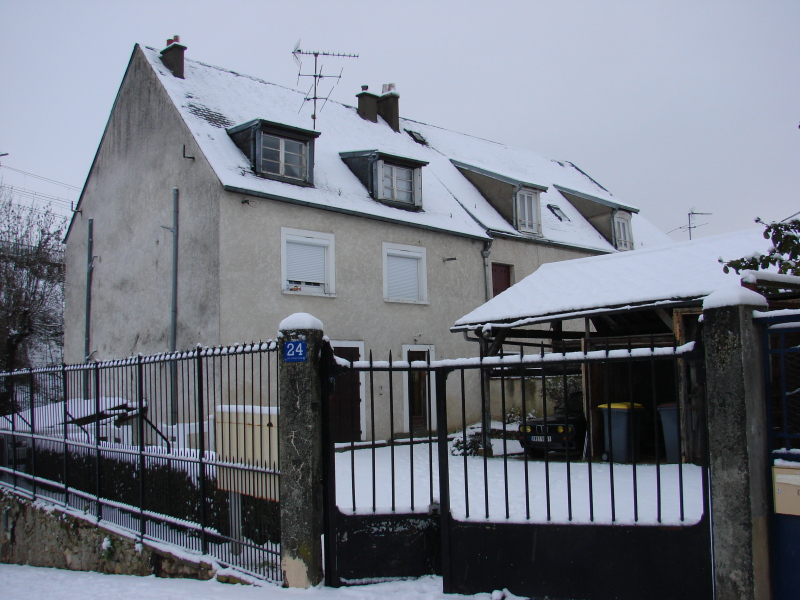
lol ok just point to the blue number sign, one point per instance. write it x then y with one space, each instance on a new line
294 351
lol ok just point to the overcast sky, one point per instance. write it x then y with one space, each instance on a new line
672 106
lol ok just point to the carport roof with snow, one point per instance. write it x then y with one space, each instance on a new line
679 273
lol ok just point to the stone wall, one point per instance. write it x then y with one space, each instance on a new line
43 535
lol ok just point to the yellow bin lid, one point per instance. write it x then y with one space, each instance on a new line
621 406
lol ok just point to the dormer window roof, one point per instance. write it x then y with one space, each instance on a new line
277 151
390 179
517 201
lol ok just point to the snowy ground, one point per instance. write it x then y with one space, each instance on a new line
485 480
31 583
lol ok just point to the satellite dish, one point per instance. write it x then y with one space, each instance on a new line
296 52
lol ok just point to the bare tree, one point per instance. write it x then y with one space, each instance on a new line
31 283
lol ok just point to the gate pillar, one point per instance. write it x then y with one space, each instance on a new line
738 453
300 450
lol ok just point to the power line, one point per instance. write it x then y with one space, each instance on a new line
34 195
66 185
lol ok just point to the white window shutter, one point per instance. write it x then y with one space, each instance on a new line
402 274
305 262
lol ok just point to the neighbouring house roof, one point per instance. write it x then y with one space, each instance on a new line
210 100
671 274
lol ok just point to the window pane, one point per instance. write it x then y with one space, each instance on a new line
294 147
269 141
388 192
272 155
268 166
293 171
404 173
402 274
403 184
404 196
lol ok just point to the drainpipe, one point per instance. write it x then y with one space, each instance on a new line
88 311
487 275
173 318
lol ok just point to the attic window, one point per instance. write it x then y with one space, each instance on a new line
417 137
527 211
277 151
393 180
556 210
623 235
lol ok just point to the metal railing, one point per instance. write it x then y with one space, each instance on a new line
631 455
179 448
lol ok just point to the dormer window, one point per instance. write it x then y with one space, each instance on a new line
282 156
398 183
527 205
392 180
277 151
622 230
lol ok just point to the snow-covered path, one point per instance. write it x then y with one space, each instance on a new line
31 583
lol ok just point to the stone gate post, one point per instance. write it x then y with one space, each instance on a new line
300 450
737 450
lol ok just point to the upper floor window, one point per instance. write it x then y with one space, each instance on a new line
527 206
393 180
398 183
282 156
404 273
308 262
622 231
277 151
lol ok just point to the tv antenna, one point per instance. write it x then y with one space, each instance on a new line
317 76
691 226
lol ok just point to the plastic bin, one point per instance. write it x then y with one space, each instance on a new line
621 422
668 413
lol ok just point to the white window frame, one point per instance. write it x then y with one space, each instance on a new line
311 238
416 187
406 406
623 234
412 252
535 224
362 377
282 153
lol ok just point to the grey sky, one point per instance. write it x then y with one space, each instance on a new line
671 106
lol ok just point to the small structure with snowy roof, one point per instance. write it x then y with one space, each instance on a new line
384 228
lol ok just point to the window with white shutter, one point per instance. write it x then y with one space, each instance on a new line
307 261
404 273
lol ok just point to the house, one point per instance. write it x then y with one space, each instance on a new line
386 229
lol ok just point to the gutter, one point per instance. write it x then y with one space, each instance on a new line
344 211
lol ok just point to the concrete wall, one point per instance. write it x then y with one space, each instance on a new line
41 535
129 196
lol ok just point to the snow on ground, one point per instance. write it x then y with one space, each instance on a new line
479 487
32 583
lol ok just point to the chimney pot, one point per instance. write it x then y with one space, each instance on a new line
388 87
364 88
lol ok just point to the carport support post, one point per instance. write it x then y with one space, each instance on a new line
737 453
300 451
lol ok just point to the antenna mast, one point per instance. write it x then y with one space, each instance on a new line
692 213
317 75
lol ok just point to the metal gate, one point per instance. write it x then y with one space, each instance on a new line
781 340
460 495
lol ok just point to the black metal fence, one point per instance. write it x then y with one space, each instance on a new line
478 458
520 455
179 448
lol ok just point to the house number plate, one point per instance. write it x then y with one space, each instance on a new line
294 351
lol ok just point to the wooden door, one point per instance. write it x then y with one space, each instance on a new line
345 401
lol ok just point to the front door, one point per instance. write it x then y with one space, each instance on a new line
345 400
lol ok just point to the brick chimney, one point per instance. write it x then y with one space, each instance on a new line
367 105
389 106
172 56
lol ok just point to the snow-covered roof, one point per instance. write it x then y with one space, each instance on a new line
673 273
211 100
